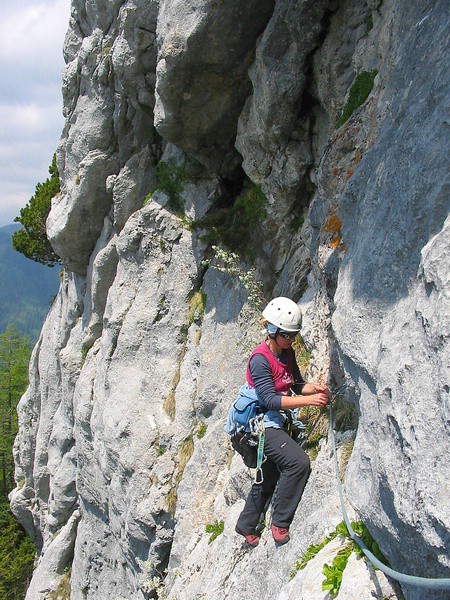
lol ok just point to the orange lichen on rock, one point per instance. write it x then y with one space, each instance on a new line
332 227
333 224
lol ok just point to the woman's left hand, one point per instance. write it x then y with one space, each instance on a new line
323 389
316 388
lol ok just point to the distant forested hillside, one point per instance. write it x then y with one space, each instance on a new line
26 288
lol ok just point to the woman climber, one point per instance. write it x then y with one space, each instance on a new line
273 373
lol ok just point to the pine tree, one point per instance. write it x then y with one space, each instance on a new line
17 552
32 240
14 356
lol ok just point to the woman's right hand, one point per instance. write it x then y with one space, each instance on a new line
320 399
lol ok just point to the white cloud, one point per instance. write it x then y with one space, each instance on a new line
27 121
31 62
28 27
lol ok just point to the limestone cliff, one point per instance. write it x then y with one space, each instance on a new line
311 137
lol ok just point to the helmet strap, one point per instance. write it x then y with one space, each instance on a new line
273 337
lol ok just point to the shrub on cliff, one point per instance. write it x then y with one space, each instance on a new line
234 225
171 179
32 240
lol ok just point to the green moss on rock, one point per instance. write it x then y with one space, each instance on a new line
359 92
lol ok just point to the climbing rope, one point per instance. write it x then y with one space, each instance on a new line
432 583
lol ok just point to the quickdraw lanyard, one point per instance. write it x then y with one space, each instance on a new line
258 430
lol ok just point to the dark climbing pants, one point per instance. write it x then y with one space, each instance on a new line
286 464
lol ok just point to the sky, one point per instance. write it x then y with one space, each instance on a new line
31 63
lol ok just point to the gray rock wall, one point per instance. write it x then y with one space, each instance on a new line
400 365
121 457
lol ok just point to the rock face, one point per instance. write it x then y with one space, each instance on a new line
204 52
175 113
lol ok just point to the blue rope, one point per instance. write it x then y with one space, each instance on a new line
432 583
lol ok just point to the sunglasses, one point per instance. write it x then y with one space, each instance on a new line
288 335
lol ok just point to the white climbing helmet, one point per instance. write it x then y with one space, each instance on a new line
284 313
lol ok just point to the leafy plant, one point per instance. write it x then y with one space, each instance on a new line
334 573
201 431
153 584
84 353
230 263
359 92
215 529
361 531
171 179
297 222
315 549
310 554
233 226
32 240
369 23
